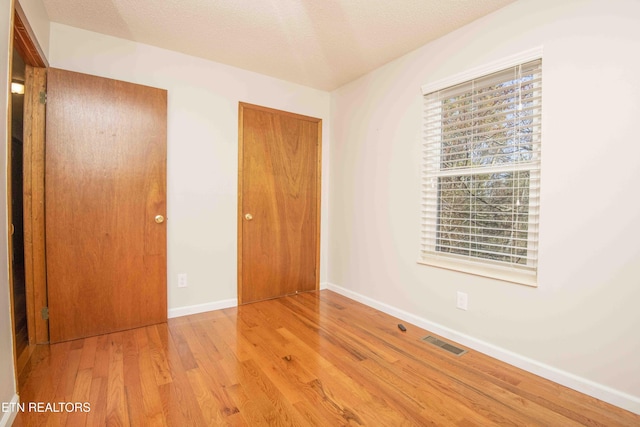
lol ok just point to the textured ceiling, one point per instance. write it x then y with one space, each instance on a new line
318 43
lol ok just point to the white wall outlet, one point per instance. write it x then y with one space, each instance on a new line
462 300
182 280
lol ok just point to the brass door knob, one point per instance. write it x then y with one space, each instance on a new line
248 217
159 219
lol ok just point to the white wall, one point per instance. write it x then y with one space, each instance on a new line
202 149
7 383
580 325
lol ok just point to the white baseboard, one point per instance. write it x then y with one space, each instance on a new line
583 385
210 306
7 417
201 308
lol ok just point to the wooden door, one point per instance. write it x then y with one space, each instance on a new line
278 203
105 185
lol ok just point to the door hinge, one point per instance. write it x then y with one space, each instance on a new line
43 97
45 313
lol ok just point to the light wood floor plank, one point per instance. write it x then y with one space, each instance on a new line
116 413
316 359
151 400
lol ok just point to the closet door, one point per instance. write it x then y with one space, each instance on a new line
279 203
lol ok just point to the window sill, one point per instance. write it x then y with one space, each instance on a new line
497 272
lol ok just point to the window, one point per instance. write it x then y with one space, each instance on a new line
481 174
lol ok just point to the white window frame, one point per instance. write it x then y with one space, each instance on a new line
468 264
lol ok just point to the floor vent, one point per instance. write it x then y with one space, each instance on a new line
444 345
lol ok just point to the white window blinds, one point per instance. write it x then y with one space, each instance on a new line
481 174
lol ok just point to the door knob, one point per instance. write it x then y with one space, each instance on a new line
159 219
248 217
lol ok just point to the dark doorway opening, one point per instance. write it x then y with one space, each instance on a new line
17 228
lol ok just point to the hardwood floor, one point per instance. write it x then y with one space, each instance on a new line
311 359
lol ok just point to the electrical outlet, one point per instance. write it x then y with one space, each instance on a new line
462 300
182 280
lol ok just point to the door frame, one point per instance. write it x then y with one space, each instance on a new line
241 107
24 41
